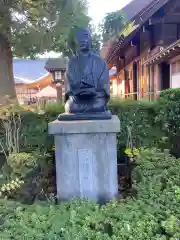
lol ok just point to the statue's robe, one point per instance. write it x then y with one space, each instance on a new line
87 72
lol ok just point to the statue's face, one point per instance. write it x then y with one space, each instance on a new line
83 38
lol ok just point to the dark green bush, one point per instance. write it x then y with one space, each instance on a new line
34 131
139 117
38 179
27 177
152 214
54 109
170 94
168 118
148 122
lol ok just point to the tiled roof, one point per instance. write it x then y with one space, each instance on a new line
56 63
131 12
146 9
135 7
27 71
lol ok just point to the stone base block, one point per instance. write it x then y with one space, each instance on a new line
86 159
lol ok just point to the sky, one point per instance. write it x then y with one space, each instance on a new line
99 8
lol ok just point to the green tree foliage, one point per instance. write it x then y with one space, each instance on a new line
29 27
96 42
37 25
115 25
96 39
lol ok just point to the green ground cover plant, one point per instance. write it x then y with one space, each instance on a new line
152 213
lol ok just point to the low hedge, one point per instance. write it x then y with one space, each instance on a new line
138 116
168 118
153 213
149 123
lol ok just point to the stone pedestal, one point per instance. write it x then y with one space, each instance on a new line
86 159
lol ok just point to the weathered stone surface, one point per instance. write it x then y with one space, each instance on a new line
86 159
85 126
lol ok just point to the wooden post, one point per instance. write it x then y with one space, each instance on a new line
59 93
151 82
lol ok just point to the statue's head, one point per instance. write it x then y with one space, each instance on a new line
83 38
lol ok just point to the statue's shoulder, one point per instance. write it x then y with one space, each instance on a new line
72 60
97 57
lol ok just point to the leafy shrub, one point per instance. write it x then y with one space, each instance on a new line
170 94
132 153
168 118
54 109
31 159
10 189
153 213
34 132
149 122
139 117
21 163
27 177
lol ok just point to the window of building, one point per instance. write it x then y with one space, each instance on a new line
58 75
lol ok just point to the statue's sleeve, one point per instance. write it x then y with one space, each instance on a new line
67 83
104 79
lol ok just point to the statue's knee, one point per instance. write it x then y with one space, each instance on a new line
99 105
71 106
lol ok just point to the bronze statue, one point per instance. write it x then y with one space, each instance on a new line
88 84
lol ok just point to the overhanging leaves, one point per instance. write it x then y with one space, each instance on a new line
35 26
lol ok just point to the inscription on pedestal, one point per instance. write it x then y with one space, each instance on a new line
86 172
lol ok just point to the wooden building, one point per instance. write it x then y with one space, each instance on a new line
148 59
29 77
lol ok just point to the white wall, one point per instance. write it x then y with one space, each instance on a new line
115 88
175 72
175 80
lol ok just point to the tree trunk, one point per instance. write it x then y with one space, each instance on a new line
7 89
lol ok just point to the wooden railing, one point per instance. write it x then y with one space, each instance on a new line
150 96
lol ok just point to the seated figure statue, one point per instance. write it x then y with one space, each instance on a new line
87 83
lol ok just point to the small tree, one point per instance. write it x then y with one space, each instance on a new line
112 25
96 39
115 25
